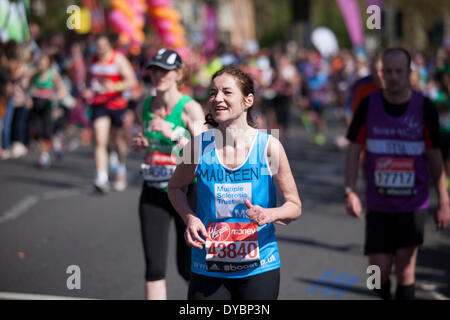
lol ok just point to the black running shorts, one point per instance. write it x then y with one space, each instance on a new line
388 232
116 116
263 286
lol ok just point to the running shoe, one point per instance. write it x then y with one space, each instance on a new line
58 148
101 187
121 183
307 123
5 154
113 162
18 150
44 160
319 140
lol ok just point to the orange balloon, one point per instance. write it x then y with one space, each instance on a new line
124 38
122 6
139 36
135 49
165 13
180 43
177 29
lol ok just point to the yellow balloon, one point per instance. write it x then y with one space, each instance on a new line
85 21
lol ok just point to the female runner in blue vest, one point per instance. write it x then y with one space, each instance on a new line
234 249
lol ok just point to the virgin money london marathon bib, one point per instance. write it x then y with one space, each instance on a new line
235 247
396 171
161 159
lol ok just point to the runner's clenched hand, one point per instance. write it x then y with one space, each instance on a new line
159 124
194 226
140 142
257 214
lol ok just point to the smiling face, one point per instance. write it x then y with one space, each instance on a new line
162 79
226 101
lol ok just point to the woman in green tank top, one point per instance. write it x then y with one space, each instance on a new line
46 88
169 120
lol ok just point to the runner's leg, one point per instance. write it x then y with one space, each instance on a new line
405 268
207 288
384 261
183 251
155 222
121 146
263 286
101 127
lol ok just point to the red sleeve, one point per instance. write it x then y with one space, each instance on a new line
427 138
361 137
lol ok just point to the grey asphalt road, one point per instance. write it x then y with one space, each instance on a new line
50 220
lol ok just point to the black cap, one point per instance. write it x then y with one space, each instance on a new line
166 59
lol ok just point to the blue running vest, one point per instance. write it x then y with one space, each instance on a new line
235 247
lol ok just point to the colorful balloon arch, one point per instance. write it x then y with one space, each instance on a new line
127 18
167 23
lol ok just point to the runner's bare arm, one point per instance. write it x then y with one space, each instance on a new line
439 178
194 118
181 178
139 109
129 78
61 90
352 165
353 203
176 191
284 180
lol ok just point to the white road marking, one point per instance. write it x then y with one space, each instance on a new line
438 296
432 289
28 202
30 296
19 209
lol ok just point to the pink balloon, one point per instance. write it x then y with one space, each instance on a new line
137 7
169 39
163 25
120 22
159 3
140 19
184 53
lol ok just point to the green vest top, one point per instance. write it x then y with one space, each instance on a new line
156 140
47 83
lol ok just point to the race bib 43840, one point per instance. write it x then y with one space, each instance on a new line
232 247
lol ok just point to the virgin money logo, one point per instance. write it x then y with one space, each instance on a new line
383 163
394 164
219 231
